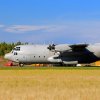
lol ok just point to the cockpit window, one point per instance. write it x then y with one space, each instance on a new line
17 49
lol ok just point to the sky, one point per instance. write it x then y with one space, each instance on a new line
50 21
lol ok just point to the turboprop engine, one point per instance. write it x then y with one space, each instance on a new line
59 48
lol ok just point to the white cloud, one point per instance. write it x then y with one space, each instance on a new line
87 31
24 28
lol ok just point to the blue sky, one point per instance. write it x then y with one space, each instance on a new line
47 21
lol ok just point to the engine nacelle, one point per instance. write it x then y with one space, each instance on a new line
62 48
70 62
54 59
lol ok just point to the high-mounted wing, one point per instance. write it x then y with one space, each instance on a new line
63 48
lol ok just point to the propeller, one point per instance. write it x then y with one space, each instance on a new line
51 47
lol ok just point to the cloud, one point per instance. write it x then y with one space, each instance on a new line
66 32
24 28
1 26
87 31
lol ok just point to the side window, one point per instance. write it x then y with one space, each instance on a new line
15 53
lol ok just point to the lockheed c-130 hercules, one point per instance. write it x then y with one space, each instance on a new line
64 54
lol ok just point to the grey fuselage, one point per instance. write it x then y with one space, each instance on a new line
62 53
30 54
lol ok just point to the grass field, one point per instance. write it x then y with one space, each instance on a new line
49 83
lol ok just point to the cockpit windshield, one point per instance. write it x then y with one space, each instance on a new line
16 49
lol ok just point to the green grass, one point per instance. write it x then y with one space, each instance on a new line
46 68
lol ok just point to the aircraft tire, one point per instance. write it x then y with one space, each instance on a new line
21 65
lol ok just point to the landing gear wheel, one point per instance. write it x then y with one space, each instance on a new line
21 65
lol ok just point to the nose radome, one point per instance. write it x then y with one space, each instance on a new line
7 56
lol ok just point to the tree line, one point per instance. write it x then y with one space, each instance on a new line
7 47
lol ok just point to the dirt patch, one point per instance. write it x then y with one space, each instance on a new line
2 61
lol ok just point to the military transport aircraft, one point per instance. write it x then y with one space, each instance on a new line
64 54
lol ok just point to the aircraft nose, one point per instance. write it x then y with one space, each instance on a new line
7 56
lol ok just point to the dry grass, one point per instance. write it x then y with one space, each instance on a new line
49 84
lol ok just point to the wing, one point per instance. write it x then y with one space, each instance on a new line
63 48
